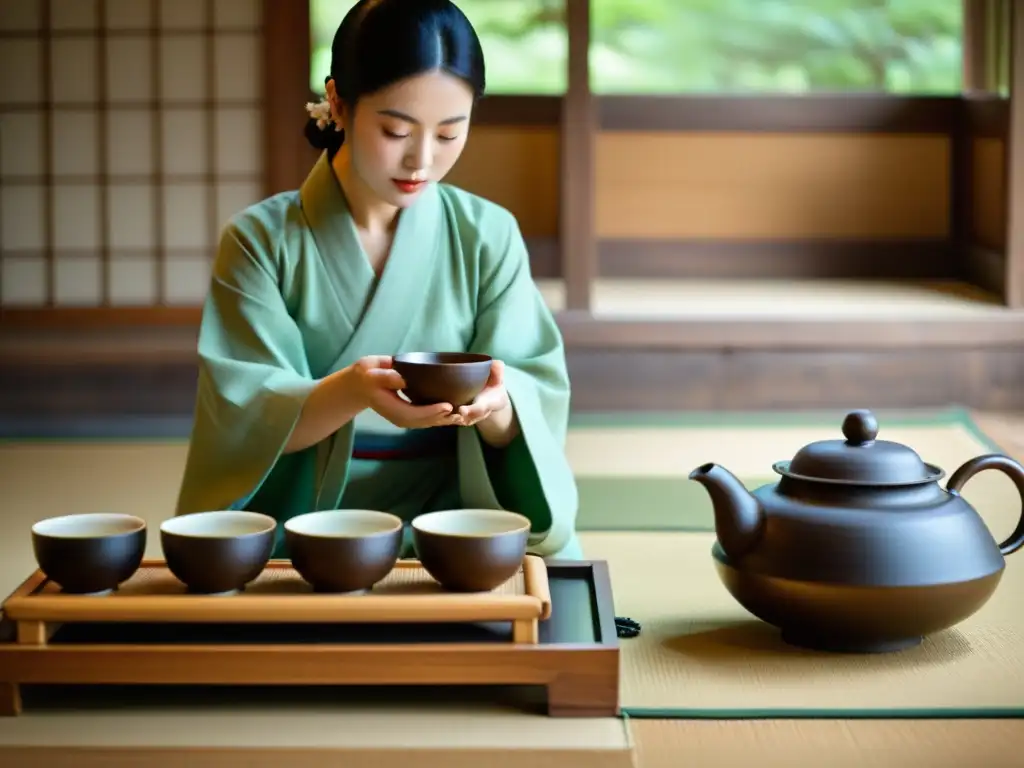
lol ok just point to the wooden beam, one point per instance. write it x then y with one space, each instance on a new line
85 319
827 258
988 116
579 129
176 340
729 334
1015 164
518 111
863 113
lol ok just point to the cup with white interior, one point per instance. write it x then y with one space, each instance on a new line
344 550
89 553
471 550
217 552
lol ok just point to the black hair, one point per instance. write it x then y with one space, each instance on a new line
380 42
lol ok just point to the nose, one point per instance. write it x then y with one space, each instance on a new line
420 155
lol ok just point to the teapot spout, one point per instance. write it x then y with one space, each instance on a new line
739 517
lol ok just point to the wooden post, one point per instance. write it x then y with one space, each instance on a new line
1014 290
976 88
579 128
975 47
287 157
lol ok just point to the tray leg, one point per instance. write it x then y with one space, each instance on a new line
583 696
36 632
525 631
10 700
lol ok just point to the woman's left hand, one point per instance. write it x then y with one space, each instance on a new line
492 399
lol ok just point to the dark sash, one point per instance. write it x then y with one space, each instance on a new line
434 442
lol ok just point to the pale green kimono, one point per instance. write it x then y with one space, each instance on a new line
294 298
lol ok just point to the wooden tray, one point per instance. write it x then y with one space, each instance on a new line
553 625
281 596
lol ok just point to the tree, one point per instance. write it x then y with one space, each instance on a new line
715 46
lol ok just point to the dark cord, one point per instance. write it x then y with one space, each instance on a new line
626 627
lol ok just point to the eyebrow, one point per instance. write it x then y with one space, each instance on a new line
410 119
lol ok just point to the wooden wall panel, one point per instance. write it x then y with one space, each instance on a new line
772 186
517 168
988 199
152 394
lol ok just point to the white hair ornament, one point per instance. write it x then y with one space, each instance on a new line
321 112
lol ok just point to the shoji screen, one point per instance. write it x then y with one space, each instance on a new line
129 132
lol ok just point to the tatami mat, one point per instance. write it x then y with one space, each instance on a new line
699 655
632 469
636 504
828 743
702 655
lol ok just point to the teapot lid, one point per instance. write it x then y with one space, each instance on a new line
860 459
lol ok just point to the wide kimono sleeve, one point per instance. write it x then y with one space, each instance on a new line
253 377
532 475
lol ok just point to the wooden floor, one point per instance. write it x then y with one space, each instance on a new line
793 299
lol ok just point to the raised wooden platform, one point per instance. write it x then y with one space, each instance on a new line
691 345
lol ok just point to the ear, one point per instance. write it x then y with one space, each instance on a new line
337 106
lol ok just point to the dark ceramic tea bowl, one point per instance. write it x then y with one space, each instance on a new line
217 552
89 553
442 377
344 550
471 550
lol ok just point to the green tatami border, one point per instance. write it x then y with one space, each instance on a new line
887 417
811 713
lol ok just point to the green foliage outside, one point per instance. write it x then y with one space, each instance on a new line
709 46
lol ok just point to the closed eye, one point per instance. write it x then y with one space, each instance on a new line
393 135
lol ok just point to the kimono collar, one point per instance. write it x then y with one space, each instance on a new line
328 213
379 310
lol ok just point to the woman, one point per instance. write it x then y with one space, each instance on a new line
314 290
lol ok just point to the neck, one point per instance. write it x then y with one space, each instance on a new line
369 212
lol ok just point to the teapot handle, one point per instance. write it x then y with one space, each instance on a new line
1008 467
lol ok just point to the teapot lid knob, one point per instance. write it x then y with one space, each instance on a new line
861 458
860 427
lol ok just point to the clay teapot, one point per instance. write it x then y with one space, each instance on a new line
858 548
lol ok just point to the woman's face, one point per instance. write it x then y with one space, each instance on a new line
408 134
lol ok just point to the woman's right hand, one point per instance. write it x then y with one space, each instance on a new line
376 384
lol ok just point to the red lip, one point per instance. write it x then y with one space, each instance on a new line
408 186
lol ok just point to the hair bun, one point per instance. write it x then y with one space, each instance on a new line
383 42
323 138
